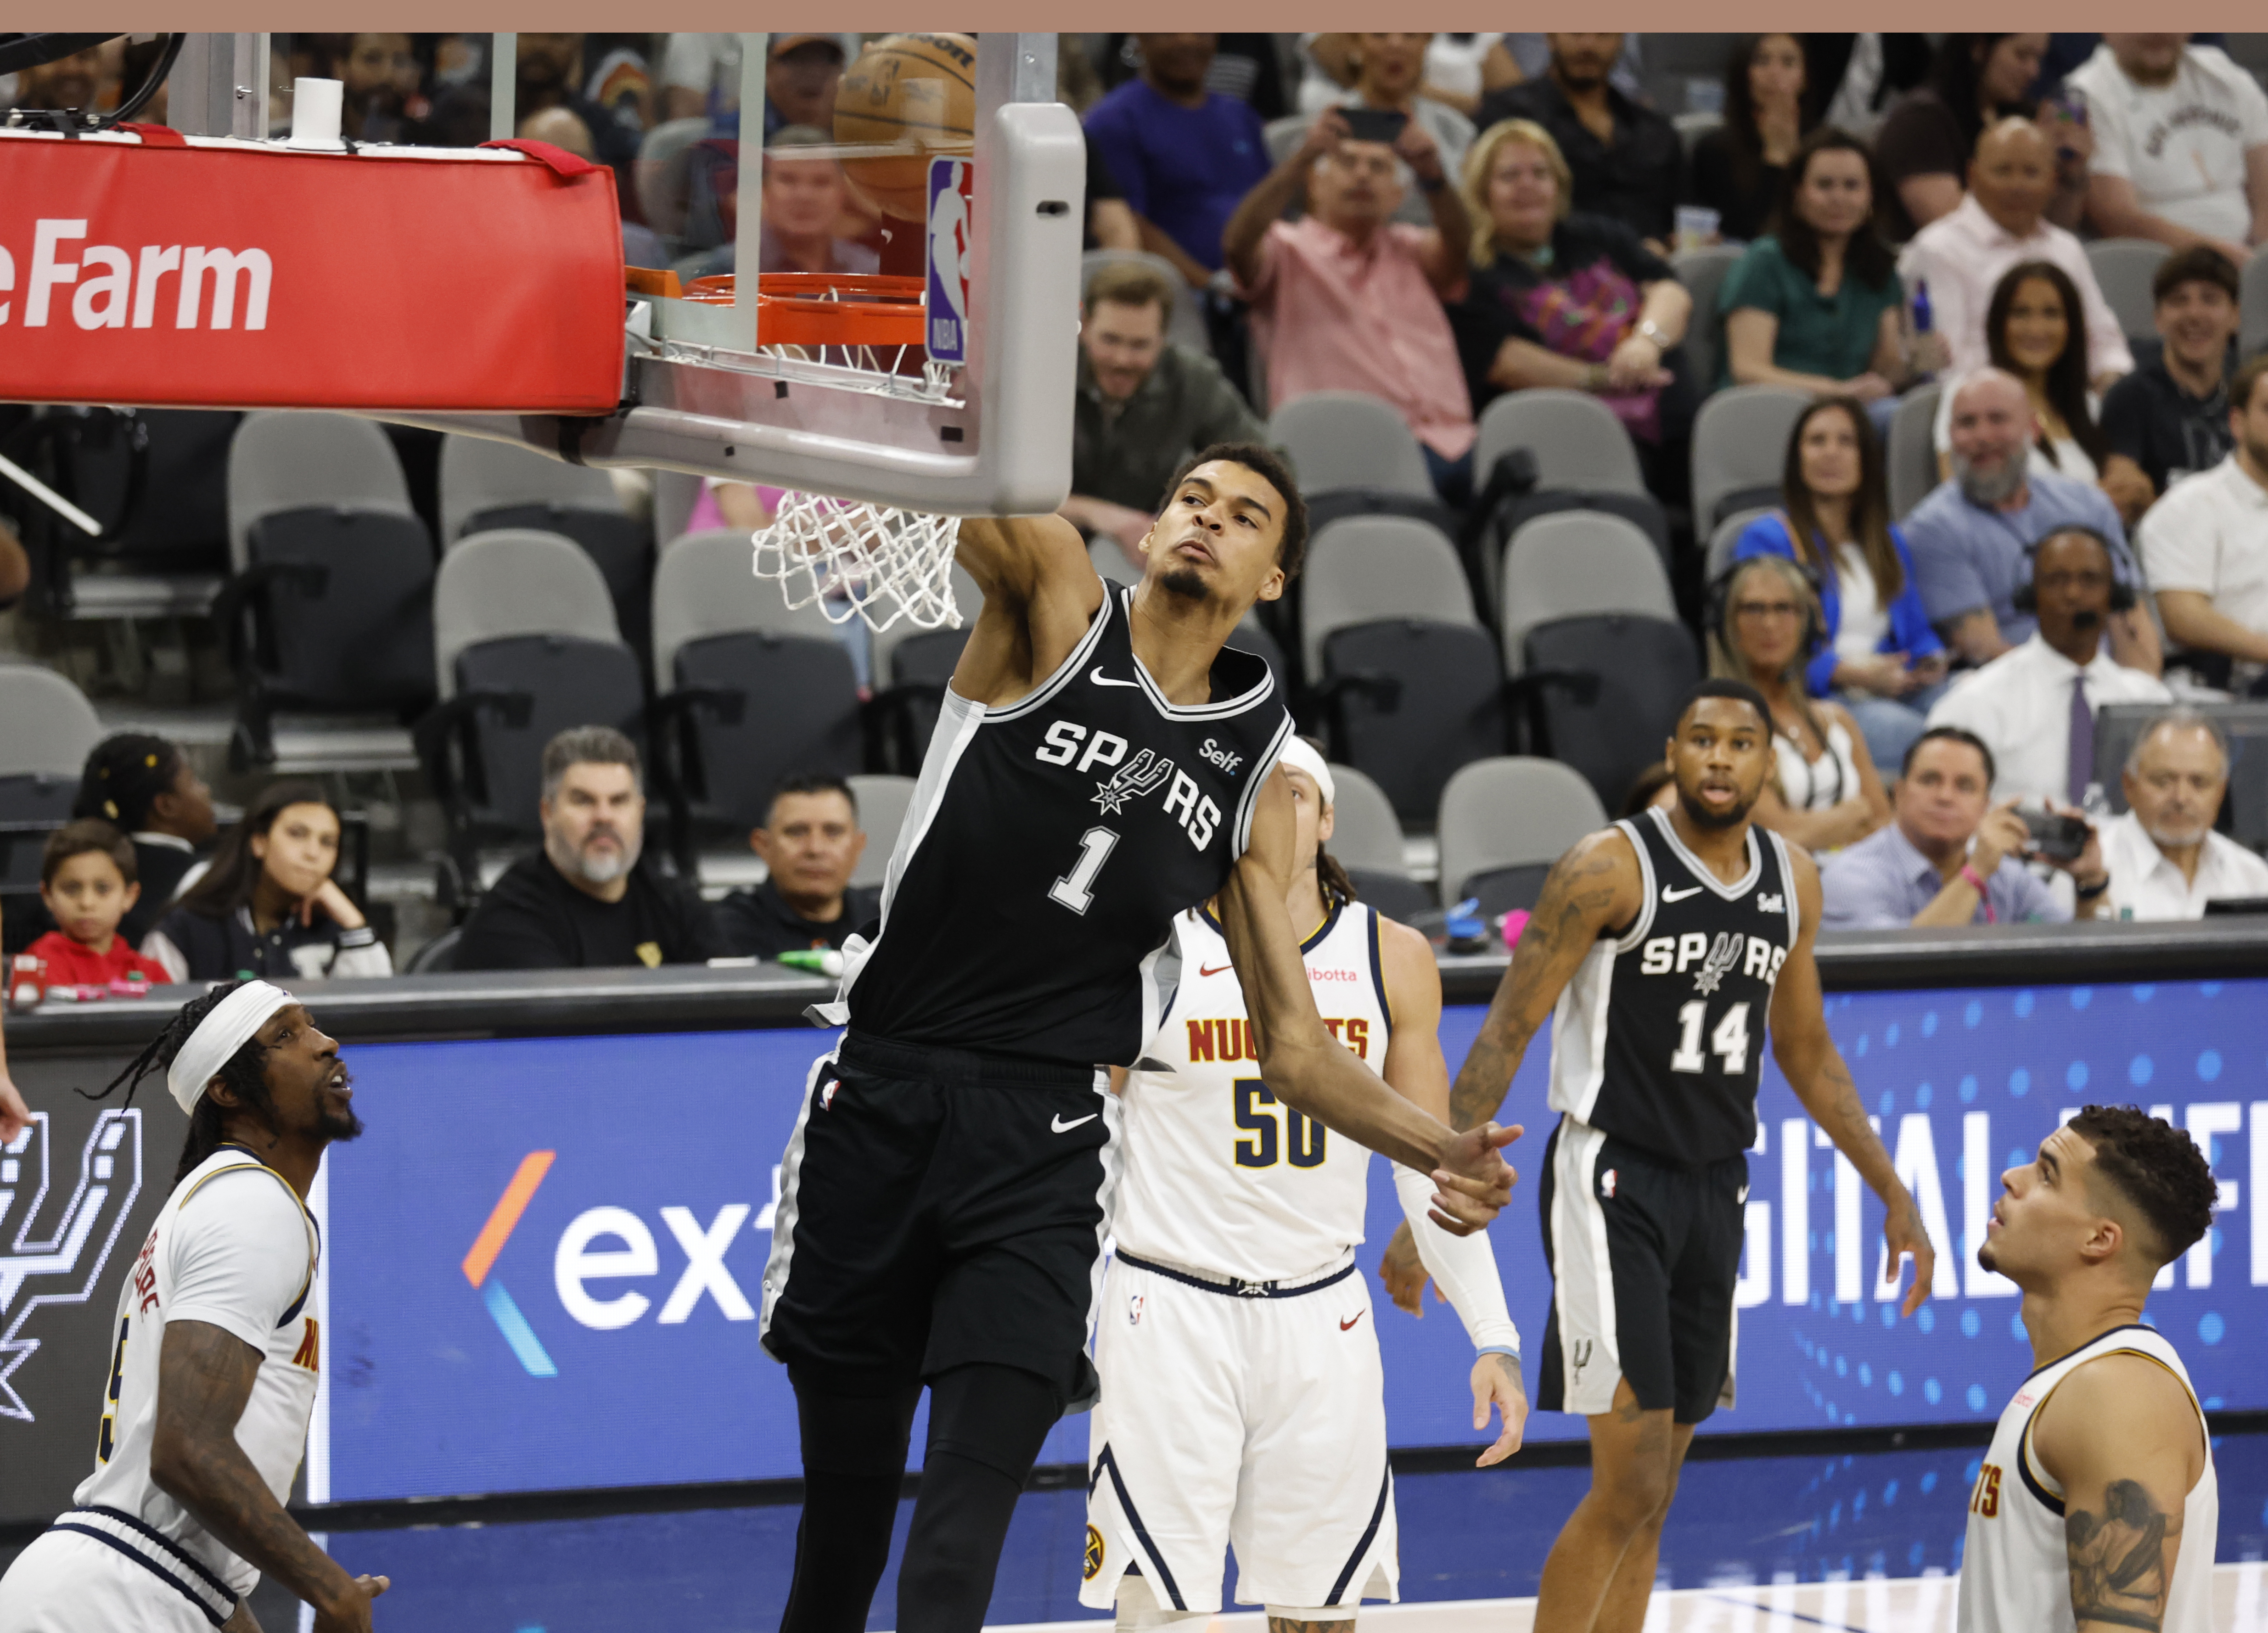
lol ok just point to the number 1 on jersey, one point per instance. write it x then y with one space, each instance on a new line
1729 1042
1075 889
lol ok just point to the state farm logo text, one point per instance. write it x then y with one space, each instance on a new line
105 287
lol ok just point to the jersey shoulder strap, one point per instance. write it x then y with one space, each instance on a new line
314 1230
1090 647
2139 1339
1644 837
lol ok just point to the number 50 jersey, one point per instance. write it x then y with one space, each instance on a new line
1659 1037
1029 904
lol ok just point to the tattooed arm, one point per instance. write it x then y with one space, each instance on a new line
204 1378
2122 1438
1816 1071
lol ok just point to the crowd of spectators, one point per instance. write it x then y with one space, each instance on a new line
1436 220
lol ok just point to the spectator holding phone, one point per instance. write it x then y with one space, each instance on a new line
1949 855
2034 704
1389 89
2181 145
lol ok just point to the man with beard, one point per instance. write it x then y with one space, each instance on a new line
1102 761
1970 535
584 900
1626 158
2034 704
2097 1504
1661 949
215 1367
2165 860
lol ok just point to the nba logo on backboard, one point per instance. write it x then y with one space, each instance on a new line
952 232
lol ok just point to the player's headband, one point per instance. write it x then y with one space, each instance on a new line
233 1020
1297 751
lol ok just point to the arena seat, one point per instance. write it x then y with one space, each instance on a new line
47 730
487 485
1911 461
329 611
1602 692
2122 270
747 691
2252 322
1504 822
1740 446
1727 535
1577 440
1361 568
1367 839
912 666
1350 439
883 802
1577 562
1703 272
524 646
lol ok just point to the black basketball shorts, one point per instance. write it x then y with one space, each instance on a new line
938 1208
1646 1257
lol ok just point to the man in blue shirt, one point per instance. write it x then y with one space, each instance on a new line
1185 157
1971 536
1949 855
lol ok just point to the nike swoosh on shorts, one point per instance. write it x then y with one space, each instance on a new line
1061 1127
1348 1326
1221 969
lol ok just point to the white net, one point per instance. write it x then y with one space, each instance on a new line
856 560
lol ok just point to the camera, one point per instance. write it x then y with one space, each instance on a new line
2056 838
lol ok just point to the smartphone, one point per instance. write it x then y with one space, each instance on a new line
2056 837
1374 124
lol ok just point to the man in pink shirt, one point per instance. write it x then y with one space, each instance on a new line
1347 300
2002 221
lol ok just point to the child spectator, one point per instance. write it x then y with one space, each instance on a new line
86 880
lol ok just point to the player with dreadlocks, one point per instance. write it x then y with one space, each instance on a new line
213 1374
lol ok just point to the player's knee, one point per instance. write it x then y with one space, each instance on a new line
1636 1495
1139 1608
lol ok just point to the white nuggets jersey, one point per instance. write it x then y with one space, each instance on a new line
1220 1177
234 1246
2015 1572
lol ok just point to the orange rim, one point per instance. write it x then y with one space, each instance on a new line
826 308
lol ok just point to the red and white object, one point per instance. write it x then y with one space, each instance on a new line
148 268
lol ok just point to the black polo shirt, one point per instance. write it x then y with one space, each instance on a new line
760 923
1635 181
2149 418
533 918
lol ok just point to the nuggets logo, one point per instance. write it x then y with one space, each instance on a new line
62 1265
1094 1567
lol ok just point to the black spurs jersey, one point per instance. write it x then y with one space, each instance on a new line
1029 904
1659 1037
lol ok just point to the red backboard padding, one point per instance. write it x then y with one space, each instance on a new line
437 283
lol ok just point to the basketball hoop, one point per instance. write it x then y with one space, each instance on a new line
826 309
873 562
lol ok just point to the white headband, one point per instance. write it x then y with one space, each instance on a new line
233 1020
1298 751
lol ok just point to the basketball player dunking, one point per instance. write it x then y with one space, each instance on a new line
2097 1505
1242 1399
1102 762
1658 948
213 1369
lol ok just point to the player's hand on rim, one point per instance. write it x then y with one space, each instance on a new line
1902 1234
1497 1382
1475 1181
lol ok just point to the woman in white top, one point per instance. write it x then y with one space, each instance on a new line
1825 793
2036 330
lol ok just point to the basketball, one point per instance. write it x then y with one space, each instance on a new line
914 91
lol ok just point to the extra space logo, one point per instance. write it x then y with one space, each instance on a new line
606 1244
55 1252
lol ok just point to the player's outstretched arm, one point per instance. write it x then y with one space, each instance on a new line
2123 1440
1308 1069
1816 1070
1594 886
1041 593
204 1378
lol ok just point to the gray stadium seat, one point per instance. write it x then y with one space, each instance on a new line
1505 822
1111 562
1576 440
1187 325
1363 569
703 586
1740 445
1578 561
480 475
1910 460
47 730
513 582
675 496
1728 534
911 667
882 805
1366 833
2252 330
1702 273
2122 270
289 460
1350 439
